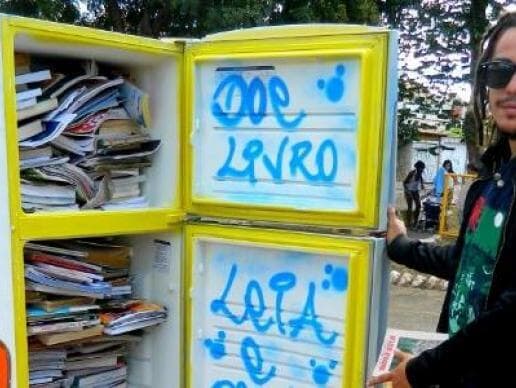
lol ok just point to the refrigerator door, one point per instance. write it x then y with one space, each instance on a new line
290 124
275 308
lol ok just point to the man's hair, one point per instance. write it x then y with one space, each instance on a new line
487 47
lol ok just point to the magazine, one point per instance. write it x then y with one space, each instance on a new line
413 342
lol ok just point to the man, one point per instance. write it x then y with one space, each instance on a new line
479 310
412 184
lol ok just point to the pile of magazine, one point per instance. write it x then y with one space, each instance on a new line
83 136
81 314
97 363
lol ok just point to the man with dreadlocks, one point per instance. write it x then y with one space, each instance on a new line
479 310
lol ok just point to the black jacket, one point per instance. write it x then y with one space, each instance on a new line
472 357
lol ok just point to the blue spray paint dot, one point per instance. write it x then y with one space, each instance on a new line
335 89
333 364
326 284
328 268
339 279
216 347
321 375
312 363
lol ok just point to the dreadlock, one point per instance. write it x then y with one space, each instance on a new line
480 93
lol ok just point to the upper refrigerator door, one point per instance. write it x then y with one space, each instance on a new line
291 124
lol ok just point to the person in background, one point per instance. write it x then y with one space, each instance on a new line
440 177
412 184
479 310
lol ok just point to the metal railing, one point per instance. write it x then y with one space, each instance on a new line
452 204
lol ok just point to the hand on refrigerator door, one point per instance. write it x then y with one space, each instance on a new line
397 377
395 226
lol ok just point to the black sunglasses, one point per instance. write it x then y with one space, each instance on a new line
498 73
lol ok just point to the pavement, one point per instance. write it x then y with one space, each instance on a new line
414 308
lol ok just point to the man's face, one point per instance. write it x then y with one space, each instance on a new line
502 102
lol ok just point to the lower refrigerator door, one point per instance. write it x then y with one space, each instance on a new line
276 308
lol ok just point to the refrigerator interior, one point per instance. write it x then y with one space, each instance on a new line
155 274
153 71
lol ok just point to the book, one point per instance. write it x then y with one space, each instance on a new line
137 316
38 109
136 103
105 378
33 153
103 254
52 129
60 327
34 286
55 250
35 76
68 274
67 82
63 262
37 313
35 275
52 304
42 162
29 130
33 297
58 338
408 341
94 362
49 191
26 94
26 103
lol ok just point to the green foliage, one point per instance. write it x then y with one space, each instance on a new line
66 11
407 127
439 42
193 18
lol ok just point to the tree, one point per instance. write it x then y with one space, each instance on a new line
192 18
439 42
66 11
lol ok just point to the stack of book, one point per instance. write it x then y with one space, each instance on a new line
83 136
80 310
79 268
97 363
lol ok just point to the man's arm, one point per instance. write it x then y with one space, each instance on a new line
429 258
424 257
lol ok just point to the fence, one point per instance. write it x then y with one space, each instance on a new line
452 204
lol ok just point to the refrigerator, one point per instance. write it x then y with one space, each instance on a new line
267 199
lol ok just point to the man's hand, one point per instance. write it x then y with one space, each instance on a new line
397 377
395 226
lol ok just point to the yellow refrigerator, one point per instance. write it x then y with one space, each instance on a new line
271 183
